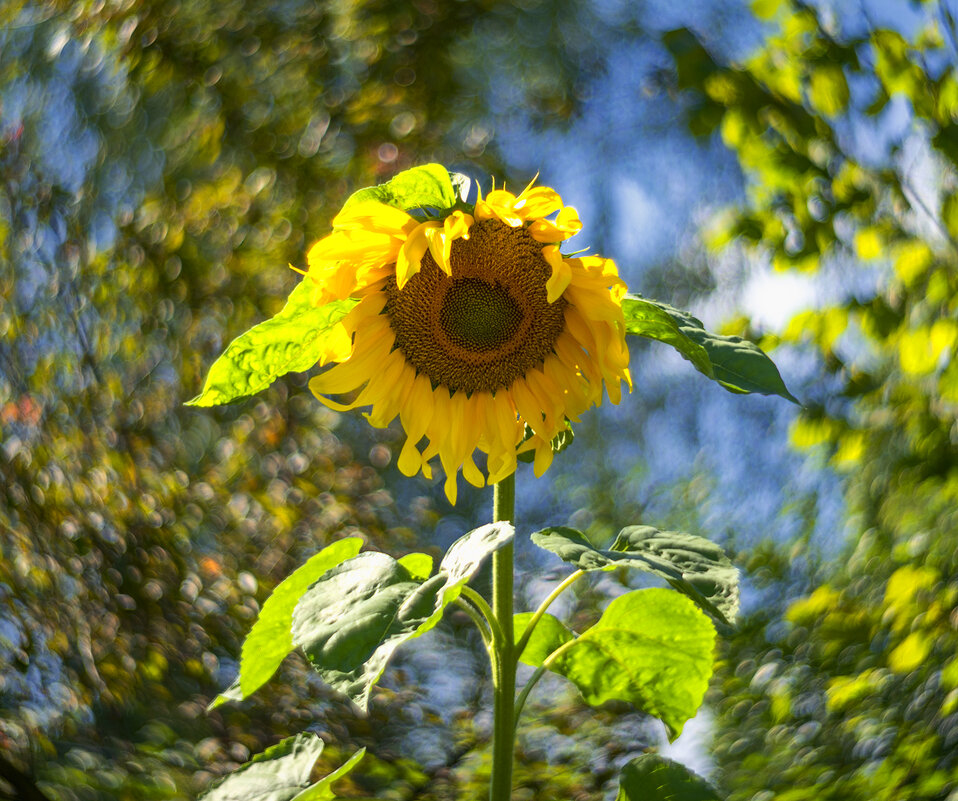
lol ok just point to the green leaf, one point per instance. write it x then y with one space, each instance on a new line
461 185
419 565
281 773
354 617
321 790
290 342
737 364
427 186
652 648
548 636
654 778
645 318
270 640
693 565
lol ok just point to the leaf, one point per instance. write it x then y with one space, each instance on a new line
646 319
290 342
461 184
693 565
652 648
321 790
270 640
427 186
548 636
654 778
737 364
281 773
419 565
354 617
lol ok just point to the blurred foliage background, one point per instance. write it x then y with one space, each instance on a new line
787 169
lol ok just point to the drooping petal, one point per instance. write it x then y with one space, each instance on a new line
409 259
566 224
561 273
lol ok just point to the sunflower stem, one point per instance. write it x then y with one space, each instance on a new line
504 663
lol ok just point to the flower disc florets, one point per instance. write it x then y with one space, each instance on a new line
470 327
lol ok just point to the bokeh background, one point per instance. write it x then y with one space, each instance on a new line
785 169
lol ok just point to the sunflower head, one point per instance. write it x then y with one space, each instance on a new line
471 326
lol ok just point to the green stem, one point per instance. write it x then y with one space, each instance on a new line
483 606
537 616
476 617
534 679
504 663
521 700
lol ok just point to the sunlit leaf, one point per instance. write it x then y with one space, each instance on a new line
424 187
419 565
549 635
354 617
737 364
292 341
281 773
645 318
693 565
270 640
652 648
654 778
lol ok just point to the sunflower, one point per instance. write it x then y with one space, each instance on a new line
474 329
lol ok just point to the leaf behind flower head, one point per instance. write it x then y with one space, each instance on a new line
424 187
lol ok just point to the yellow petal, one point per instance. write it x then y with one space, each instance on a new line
566 224
409 259
373 216
365 361
561 273
538 202
529 407
435 235
543 458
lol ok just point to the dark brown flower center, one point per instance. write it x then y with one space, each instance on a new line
488 324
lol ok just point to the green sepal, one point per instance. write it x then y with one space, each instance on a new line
353 618
735 363
270 640
651 648
654 778
428 186
693 565
281 773
290 342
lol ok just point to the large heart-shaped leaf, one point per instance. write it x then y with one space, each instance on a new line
353 618
424 187
281 773
693 565
654 778
270 640
735 363
290 342
652 648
